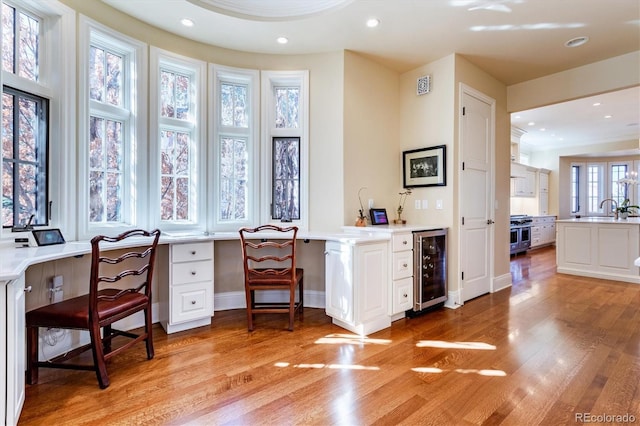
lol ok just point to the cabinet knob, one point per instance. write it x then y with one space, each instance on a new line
405 242
404 295
193 302
193 252
28 289
404 265
193 273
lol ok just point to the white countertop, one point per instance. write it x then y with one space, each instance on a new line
14 261
602 219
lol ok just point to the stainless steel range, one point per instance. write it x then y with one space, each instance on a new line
520 230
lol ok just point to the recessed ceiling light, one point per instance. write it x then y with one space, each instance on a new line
597 104
186 22
543 129
373 22
578 41
531 123
282 40
608 116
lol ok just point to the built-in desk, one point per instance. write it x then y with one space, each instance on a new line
365 258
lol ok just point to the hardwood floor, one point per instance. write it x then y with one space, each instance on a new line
541 352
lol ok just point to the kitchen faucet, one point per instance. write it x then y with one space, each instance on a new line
615 205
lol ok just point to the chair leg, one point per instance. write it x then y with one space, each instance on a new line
292 306
249 296
98 356
147 327
32 355
107 331
301 289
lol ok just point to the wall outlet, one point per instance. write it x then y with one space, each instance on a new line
439 204
370 203
55 291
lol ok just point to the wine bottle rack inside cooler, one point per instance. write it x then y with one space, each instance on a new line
430 263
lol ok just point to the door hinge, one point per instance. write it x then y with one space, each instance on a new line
464 110
462 275
463 166
463 220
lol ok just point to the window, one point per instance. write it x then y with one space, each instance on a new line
25 120
235 143
619 192
24 159
285 97
575 188
38 92
595 188
112 131
177 102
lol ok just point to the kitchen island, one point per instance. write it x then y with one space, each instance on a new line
599 247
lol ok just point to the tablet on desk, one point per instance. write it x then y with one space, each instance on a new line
48 237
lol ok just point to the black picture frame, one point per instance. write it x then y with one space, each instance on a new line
424 167
378 216
48 237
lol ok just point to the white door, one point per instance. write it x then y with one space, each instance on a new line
476 193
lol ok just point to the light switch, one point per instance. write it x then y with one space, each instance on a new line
439 204
425 204
417 204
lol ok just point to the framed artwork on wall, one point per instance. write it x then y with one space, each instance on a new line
424 167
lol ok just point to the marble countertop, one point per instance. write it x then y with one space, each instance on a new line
14 261
602 219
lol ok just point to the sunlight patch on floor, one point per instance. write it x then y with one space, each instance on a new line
434 370
352 339
330 366
455 345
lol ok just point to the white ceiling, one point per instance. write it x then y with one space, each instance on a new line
513 40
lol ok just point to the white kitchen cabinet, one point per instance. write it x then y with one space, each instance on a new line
401 296
543 231
543 192
356 285
523 180
188 300
13 358
600 249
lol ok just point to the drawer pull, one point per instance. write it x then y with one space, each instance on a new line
193 302
193 252
193 273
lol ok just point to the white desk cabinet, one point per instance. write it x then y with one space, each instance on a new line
188 300
13 357
356 290
401 297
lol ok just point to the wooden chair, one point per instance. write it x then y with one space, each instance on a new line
271 265
101 307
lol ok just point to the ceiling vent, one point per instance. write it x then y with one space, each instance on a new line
424 85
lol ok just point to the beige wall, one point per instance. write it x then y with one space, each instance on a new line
371 148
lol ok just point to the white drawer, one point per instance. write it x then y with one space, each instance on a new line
191 272
191 301
402 264
402 242
402 296
191 251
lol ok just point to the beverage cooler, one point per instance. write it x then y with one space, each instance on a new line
430 274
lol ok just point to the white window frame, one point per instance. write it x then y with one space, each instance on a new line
196 70
217 75
602 188
582 188
57 82
134 135
271 80
611 182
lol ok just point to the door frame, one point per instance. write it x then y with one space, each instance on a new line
468 90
